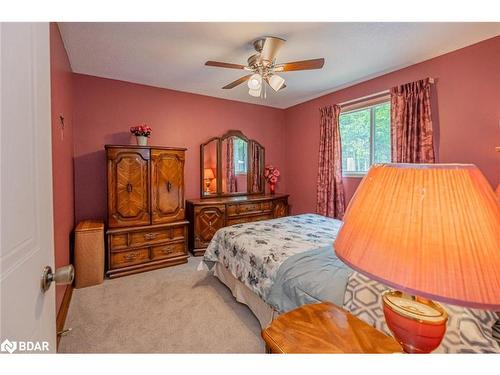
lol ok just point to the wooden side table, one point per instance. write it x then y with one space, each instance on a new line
325 328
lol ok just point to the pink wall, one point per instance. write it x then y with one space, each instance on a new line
467 119
107 108
62 151
467 113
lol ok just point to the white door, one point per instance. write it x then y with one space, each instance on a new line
26 238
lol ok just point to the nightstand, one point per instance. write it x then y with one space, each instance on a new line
325 328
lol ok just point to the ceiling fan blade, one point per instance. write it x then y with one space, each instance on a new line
225 65
239 81
300 65
271 48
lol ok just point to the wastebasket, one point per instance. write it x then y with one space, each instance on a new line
89 253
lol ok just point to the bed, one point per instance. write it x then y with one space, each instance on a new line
274 266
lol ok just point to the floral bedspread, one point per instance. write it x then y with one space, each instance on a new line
253 252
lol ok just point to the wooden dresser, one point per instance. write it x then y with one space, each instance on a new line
208 215
146 213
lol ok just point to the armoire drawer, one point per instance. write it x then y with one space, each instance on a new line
168 250
129 258
144 237
154 236
118 241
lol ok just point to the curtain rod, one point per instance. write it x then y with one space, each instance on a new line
372 96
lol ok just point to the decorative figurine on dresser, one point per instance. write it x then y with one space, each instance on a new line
232 189
146 213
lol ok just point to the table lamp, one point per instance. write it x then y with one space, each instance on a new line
208 176
432 232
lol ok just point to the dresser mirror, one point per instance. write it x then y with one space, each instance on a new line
209 167
232 165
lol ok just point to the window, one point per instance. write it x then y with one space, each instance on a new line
366 138
240 156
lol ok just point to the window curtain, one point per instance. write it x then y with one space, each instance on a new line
411 123
230 175
330 200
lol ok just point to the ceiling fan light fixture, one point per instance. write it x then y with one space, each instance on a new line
255 82
262 65
255 92
276 82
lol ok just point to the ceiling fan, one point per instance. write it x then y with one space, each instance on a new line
264 67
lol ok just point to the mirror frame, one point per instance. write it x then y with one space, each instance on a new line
202 167
219 140
262 167
229 134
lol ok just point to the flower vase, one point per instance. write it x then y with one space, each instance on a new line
142 140
272 188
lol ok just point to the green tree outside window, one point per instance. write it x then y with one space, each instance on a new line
366 138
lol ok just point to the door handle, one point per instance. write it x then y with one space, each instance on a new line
130 257
169 186
63 275
167 250
64 332
129 187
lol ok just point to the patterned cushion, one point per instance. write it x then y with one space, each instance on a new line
468 330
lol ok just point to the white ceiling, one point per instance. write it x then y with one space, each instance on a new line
172 55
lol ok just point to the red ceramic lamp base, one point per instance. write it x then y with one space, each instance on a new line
417 324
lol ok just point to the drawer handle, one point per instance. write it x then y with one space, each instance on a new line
169 186
130 257
167 250
150 236
129 187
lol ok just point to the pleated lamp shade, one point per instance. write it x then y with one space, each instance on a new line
431 230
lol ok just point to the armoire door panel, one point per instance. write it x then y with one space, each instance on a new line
128 187
167 186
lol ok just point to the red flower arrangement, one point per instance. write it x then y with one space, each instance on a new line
141 130
271 175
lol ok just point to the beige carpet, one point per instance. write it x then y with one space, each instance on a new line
171 310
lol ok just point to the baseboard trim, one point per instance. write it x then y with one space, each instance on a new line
63 311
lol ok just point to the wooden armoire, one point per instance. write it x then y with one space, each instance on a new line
146 212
